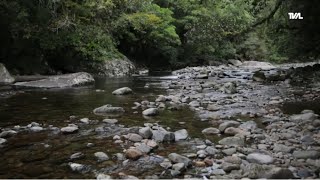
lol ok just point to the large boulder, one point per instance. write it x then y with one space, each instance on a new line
5 77
59 81
122 91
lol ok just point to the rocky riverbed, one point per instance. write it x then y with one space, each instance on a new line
200 122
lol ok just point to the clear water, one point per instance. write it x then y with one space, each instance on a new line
25 155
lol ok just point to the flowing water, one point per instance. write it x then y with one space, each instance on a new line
46 154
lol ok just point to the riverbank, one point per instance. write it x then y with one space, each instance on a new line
212 121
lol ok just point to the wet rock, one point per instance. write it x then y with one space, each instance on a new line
134 137
5 76
133 154
227 124
59 81
177 158
2 141
108 109
122 91
101 156
259 158
101 176
310 154
77 155
150 112
259 76
144 148
282 148
181 134
110 121
7 133
145 132
71 128
210 131
232 141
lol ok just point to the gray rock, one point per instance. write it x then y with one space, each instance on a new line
228 167
101 176
232 141
211 150
259 76
110 121
2 141
282 148
210 131
78 167
134 137
59 81
71 128
248 126
257 65
36 129
7 133
177 158
145 132
235 62
160 136
77 155
218 172
212 107
178 166
303 117
144 148
310 154
85 120
259 158
166 164
181 134
122 91
161 98
229 88
233 131
5 76
229 151
194 103
108 109
150 112
227 124
101 156
277 173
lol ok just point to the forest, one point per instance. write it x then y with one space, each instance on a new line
39 35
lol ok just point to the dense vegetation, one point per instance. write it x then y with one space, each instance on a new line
155 33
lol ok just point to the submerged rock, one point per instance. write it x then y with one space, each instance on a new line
108 109
122 91
59 81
